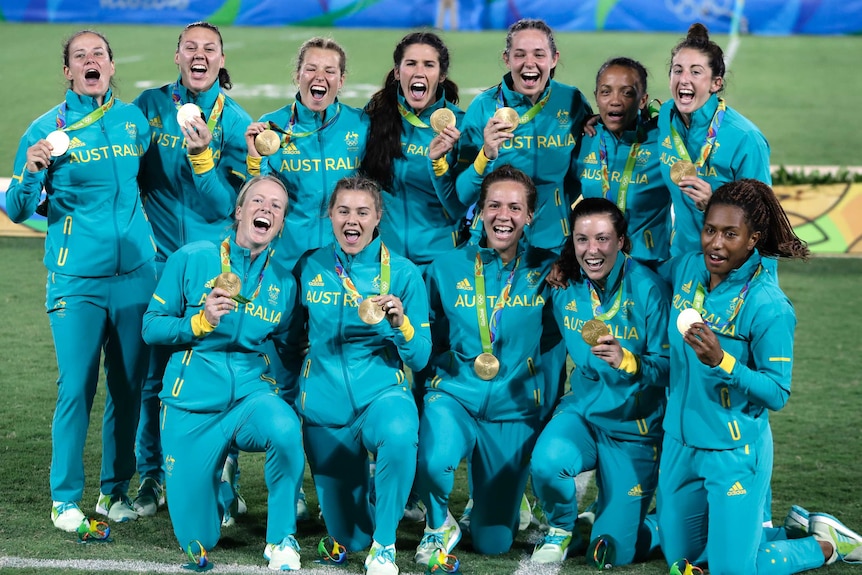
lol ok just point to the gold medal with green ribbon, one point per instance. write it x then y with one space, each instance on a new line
595 328
705 150
486 365
369 312
229 281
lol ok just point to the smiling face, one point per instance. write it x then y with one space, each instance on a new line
597 245
727 241
504 215
530 59
692 81
89 67
199 58
619 97
419 74
354 218
260 217
319 78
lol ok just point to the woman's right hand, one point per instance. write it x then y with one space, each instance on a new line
38 156
251 132
217 304
443 142
556 278
590 125
496 132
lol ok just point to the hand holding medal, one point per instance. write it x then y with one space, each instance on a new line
220 300
373 310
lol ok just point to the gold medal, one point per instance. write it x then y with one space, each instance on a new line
370 312
510 116
593 330
267 142
187 112
682 169
486 366
442 119
229 282
59 141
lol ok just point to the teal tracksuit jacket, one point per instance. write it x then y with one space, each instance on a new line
354 397
740 151
646 202
310 166
542 148
187 203
419 221
218 390
99 252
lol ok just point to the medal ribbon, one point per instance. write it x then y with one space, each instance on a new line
411 117
596 302
348 284
708 142
700 296
627 171
289 133
529 114
218 107
93 116
224 252
488 329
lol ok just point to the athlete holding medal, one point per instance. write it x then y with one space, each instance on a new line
190 179
613 315
218 392
99 253
703 142
487 394
367 314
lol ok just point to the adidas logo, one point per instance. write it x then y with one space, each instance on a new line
572 306
636 491
317 281
291 149
686 287
666 143
76 143
736 489
464 284
156 122
591 159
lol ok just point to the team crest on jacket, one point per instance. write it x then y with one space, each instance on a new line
132 130
627 307
643 157
273 292
352 140
563 117
534 277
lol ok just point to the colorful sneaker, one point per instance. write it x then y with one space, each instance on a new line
525 515
540 520
283 556
301 507
683 567
553 548
435 540
381 560
796 522
116 508
464 521
846 544
66 516
149 498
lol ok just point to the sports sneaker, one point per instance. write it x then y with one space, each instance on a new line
414 511
796 522
525 515
301 507
435 540
846 544
683 567
149 498
230 474
66 516
589 514
464 521
381 560
116 508
283 556
553 548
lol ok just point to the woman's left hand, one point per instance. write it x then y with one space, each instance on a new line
609 350
393 307
697 189
704 343
198 136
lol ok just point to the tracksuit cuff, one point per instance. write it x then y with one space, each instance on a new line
406 329
481 162
200 325
727 362
440 165
630 363
203 162
252 163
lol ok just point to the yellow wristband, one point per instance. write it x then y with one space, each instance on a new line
202 162
253 165
407 329
630 363
727 362
481 162
440 165
200 325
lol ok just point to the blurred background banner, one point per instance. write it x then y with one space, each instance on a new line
772 17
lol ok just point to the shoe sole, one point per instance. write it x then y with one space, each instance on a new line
835 524
801 520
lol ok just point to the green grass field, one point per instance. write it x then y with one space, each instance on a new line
816 439
799 90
